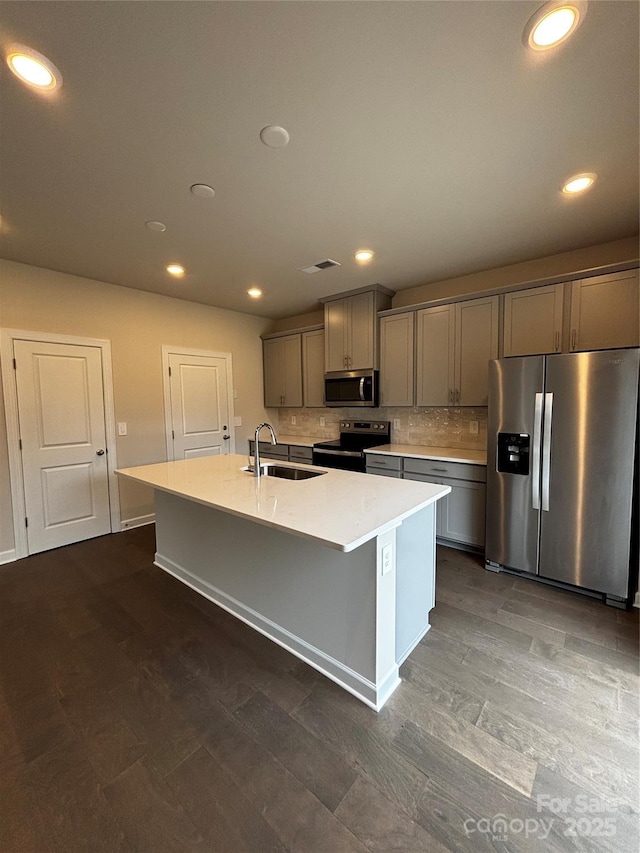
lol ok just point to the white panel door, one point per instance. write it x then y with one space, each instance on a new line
199 405
62 430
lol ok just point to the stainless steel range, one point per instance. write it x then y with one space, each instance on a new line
347 452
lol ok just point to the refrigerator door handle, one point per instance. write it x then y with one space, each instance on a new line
535 453
546 451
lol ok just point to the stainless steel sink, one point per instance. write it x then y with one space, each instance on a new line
285 473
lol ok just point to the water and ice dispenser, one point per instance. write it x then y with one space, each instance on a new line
513 453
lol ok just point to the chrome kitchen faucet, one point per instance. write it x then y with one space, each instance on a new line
256 449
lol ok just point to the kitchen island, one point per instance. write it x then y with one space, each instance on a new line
339 569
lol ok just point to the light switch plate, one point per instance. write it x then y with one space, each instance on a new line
293 420
322 421
237 421
396 423
122 428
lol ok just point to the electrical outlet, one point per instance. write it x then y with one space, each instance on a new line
122 428
294 420
473 427
387 558
322 421
396 423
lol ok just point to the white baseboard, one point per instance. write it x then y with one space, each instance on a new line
8 556
139 521
371 694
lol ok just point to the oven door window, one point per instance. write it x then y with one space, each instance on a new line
335 460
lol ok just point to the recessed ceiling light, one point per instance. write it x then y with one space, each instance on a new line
176 270
553 23
579 183
274 137
254 292
152 225
203 191
363 256
33 68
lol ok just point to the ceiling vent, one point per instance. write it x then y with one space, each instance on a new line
321 265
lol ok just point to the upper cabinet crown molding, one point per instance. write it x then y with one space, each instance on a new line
370 288
271 335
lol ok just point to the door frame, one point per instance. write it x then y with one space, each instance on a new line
10 390
166 391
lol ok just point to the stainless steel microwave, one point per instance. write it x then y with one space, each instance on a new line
351 388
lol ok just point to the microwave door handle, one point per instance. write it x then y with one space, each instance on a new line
546 451
535 452
362 389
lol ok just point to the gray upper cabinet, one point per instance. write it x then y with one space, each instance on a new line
350 327
313 368
605 312
435 331
396 360
533 321
351 330
282 358
455 343
476 345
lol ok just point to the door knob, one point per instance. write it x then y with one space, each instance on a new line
99 452
226 437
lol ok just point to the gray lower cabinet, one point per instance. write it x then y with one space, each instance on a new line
297 453
460 516
283 452
385 466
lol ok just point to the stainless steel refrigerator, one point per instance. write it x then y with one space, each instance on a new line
562 472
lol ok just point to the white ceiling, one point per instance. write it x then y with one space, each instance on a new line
422 130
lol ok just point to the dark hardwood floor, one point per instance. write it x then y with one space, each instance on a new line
137 716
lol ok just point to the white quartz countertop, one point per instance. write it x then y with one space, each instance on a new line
299 440
438 454
341 509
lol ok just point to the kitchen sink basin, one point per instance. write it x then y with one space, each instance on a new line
285 473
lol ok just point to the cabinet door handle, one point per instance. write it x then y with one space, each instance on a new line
573 339
557 341
450 395
457 395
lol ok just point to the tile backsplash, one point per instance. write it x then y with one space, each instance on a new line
433 426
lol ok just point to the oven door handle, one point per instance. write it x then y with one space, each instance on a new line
321 452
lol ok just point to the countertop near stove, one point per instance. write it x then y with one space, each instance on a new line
298 440
437 454
341 509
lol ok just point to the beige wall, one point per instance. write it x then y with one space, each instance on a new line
137 324
300 321
565 264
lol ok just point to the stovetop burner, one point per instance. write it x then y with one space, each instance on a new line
357 435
